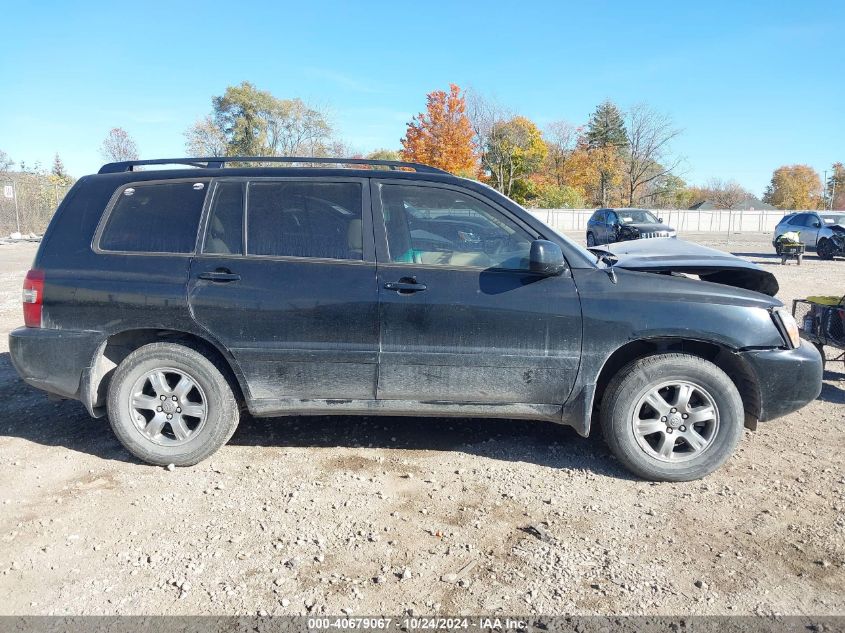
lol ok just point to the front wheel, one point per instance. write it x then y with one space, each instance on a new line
672 417
825 249
170 404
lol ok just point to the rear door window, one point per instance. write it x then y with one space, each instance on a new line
224 235
305 219
155 218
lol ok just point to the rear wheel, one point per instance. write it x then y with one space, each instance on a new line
672 417
170 404
825 249
591 240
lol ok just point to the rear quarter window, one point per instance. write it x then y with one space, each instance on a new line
155 218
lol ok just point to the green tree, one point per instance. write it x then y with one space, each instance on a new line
606 127
247 121
606 136
384 154
514 150
558 197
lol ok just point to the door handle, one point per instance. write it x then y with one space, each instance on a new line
406 285
221 275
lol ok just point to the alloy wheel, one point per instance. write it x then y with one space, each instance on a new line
675 421
168 406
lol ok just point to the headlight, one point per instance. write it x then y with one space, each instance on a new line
787 326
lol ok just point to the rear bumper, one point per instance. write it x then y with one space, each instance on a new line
53 360
788 379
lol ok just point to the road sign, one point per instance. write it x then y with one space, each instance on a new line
8 191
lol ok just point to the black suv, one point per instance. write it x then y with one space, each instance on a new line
606 226
170 299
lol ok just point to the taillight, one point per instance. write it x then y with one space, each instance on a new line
33 298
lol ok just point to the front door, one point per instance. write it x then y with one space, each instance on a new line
461 317
288 287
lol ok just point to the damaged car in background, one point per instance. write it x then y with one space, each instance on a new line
823 232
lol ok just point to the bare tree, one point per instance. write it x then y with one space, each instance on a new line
725 194
119 146
205 138
295 129
6 162
561 139
649 155
490 135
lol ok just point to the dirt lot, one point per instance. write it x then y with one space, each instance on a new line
383 515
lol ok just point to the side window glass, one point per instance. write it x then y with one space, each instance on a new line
305 219
224 235
427 225
155 218
612 217
599 217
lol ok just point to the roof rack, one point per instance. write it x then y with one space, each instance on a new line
218 162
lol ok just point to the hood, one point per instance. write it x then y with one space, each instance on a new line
680 256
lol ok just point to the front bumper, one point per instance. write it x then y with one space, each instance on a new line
788 379
53 360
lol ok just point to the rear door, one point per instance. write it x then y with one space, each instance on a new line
286 281
461 317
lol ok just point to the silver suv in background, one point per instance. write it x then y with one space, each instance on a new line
821 231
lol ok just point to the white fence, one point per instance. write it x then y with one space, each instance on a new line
684 220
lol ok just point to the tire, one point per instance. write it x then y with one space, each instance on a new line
629 391
591 240
825 249
201 420
778 248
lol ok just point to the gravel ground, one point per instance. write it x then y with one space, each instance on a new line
384 515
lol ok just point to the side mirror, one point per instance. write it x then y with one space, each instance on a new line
817 225
660 220
546 258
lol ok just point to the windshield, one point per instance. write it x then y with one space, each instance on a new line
636 216
834 218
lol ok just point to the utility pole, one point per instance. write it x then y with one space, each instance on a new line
824 192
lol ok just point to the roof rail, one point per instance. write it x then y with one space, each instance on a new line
218 162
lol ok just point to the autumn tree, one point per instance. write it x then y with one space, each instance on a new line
442 135
606 137
794 187
835 194
119 146
514 150
246 121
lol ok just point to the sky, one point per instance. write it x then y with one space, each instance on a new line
753 84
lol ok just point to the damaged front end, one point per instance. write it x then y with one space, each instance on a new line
685 258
